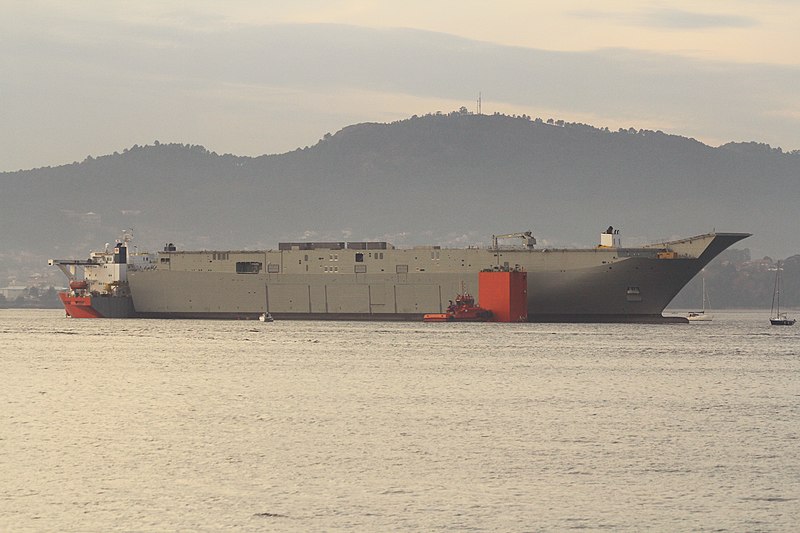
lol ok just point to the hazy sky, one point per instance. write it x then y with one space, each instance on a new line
257 76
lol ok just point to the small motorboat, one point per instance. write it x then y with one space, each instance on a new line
265 317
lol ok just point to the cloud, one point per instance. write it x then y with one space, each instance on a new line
676 19
258 90
703 96
688 20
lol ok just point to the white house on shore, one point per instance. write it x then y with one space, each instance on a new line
13 292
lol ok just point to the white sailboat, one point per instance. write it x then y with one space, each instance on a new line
701 316
776 318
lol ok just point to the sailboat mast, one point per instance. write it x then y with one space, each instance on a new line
704 293
776 290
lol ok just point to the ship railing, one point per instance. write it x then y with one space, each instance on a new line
508 248
666 243
141 268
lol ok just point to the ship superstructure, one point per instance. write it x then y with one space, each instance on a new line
98 286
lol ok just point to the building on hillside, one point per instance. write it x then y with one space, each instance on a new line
13 292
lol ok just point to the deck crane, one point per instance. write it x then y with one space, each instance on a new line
527 237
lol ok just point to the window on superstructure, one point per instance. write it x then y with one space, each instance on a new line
248 267
359 257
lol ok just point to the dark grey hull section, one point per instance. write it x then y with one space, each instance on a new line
587 319
114 306
610 319
386 317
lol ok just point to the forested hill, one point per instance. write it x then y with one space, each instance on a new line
452 179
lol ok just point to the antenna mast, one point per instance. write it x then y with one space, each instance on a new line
479 103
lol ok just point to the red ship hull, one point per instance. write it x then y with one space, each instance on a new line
79 306
464 317
97 305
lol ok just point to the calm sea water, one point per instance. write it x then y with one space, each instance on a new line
150 425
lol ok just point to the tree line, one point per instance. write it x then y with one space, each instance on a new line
33 298
735 280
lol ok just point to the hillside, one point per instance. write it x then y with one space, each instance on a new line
444 179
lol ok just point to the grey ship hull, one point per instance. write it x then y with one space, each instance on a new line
113 306
591 285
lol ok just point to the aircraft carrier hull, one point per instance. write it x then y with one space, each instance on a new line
331 281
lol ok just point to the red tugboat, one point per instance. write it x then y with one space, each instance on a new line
462 310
